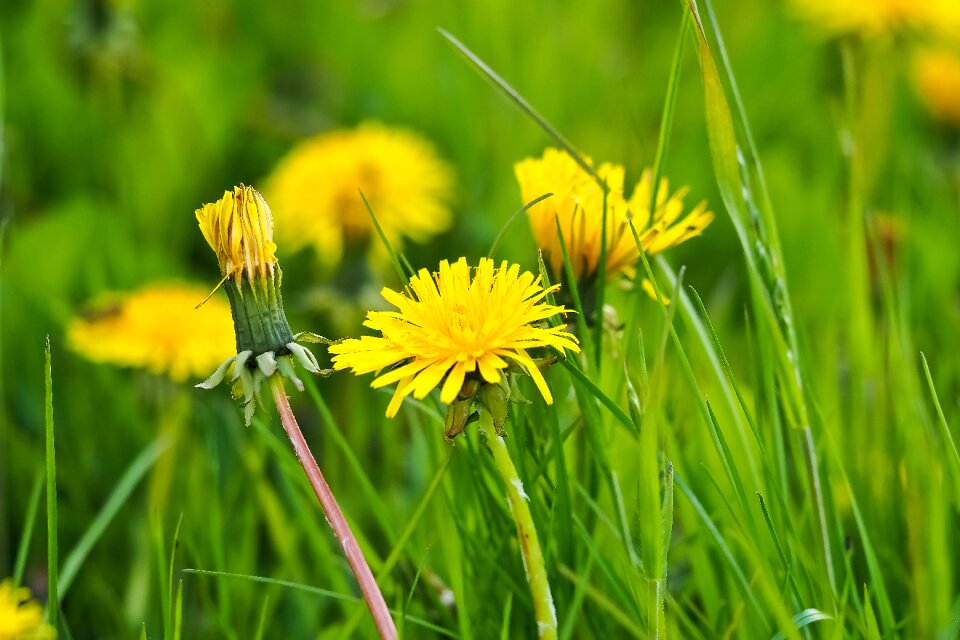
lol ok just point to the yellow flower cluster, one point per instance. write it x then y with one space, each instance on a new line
939 18
315 189
577 204
20 617
455 323
156 328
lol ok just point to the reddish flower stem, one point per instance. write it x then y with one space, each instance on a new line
368 585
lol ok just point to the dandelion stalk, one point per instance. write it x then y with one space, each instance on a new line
239 228
368 585
530 551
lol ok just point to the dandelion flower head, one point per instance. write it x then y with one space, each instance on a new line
20 617
239 229
455 323
874 18
937 78
156 328
315 189
577 204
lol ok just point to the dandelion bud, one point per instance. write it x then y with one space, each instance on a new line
494 398
239 229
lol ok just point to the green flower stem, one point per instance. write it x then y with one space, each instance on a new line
368 585
530 551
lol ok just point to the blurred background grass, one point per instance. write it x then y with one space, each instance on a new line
120 118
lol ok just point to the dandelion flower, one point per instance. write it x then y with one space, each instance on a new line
456 325
937 77
883 17
315 189
20 617
577 203
239 229
156 328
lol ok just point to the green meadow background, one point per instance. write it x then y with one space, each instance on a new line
120 118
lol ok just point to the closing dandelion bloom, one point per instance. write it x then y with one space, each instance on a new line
239 229
883 17
456 326
578 202
20 617
156 328
315 189
937 77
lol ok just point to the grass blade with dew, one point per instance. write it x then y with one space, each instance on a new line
53 578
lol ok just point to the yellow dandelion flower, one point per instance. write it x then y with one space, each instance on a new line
577 203
315 189
883 17
937 77
20 617
156 328
239 229
454 325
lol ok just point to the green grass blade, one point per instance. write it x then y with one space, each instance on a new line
574 290
370 492
394 256
780 551
598 394
601 283
944 427
53 582
420 622
30 519
503 230
669 108
174 620
738 573
262 622
520 102
399 547
118 497
178 612
598 598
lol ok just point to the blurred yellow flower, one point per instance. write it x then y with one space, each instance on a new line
452 325
883 17
315 189
937 77
239 229
20 617
577 203
157 328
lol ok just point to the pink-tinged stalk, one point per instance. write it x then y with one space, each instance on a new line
368 585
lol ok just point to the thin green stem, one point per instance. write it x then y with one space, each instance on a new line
53 560
368 585
530 550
